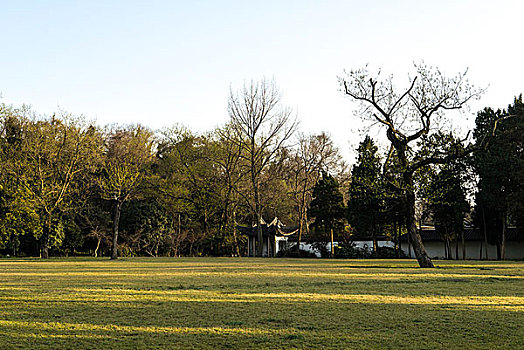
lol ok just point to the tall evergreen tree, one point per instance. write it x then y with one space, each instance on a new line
365 193
500 167
446 199
327 207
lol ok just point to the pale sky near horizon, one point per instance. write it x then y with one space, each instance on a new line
165 62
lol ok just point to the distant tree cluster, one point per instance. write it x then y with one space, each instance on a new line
69 187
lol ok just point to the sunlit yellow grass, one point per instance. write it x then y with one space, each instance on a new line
127 295
61 326
259 303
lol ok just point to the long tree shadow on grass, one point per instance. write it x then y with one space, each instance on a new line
326 324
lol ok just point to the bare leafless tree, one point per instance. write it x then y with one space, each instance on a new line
312 154
262 126
414 119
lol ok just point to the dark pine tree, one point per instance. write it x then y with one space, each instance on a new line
500 199
365 192
327 208
447 202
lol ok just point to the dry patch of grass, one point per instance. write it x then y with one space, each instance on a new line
259 303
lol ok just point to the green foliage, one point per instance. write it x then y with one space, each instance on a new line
53 155
72 237
366 191
327 206
64 179
292 252
351 251
445 197
146 227
129 152
500 197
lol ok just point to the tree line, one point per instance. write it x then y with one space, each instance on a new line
68 186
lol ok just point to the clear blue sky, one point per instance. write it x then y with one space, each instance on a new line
161 62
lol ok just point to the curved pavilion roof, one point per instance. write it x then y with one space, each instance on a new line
274 228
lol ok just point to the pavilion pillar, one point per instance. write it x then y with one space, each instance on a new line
274 246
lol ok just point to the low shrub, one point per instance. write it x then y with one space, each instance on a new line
351 251
291 252
389 253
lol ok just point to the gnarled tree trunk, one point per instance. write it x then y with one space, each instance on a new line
409 202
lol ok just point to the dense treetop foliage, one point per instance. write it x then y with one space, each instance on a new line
69 187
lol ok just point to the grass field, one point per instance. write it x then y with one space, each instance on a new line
232 303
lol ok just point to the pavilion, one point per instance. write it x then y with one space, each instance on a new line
274 235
